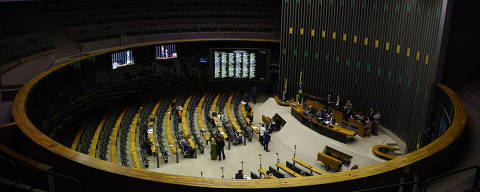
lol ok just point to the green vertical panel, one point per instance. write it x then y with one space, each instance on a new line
297 1
347 61
317 55
364 4
286 1
409 82
284 51
418 88
369 68
327 57
358 64
437 14
400 79
337 59
309 2
320 2
294 52
419 10
375 5
379 71
397 8
389 76
342 2
385 7
353 3
330 2
409 8
305 54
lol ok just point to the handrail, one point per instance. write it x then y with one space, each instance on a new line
388 186
475 182
20 115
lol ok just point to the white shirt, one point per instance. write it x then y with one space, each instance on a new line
262 129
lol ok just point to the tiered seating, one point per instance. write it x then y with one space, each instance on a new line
168 128
201 123
123 134
133 144
77 137
264 172
191 119
246 128
227 126
288 170
113 139
244 114
143 134
217 121
229 113
297 169
92 151
105 134
330 162
176 123
186 131
275 172
208 107
161 116
308 166
86 139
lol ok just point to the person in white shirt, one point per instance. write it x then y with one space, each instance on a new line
262 130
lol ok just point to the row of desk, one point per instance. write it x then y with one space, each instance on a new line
92 151
133 143
332 131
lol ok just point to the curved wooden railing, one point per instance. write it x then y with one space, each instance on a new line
92 151
377 152
113 137
30 130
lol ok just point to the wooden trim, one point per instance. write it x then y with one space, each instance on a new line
201 124
186 132
168 129
5 125
24 158
27 127
229 113
92 151
378 153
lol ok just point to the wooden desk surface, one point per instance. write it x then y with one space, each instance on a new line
168 129
288 170
92 151
113 137
308 166
329 160
280 102
336 128
261 170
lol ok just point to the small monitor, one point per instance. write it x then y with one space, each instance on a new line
122 59
168 51
203 60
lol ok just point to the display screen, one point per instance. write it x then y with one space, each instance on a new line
203 60
122 59
165 51
238 63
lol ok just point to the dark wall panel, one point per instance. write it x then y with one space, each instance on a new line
380 54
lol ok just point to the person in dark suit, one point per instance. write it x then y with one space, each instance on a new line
239 174
220 147
266 140
253 93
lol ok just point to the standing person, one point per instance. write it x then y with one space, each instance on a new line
262 130
337 103
245 98
220 147
376 121
253 93
266 140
